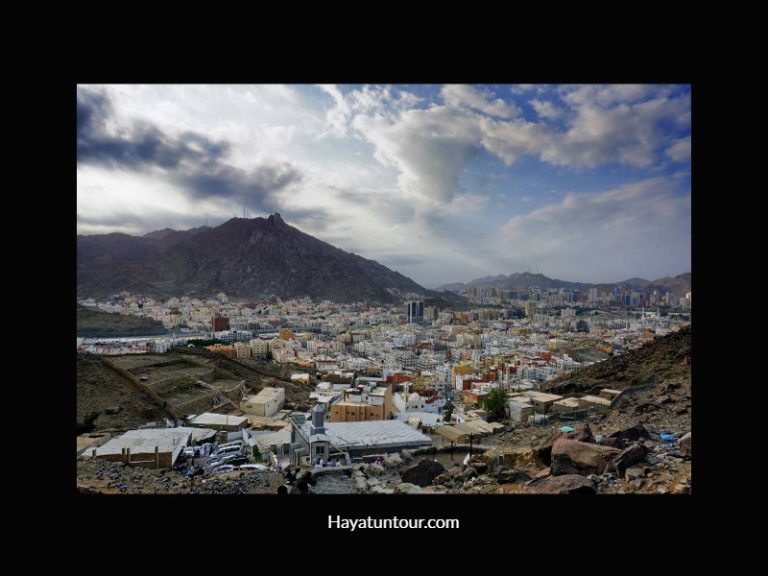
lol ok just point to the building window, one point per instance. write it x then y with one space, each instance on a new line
319 450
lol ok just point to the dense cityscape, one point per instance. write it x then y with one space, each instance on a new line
322 289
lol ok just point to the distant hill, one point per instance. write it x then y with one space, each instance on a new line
98 324
244 258
523 281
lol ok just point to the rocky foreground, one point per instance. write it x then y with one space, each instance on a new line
102 477
643 445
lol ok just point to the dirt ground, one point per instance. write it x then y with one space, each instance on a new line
173 376
99 388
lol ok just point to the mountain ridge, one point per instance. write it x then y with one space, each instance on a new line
244 258
523 280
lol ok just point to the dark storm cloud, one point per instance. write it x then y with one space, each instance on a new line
138 146
253 188
190 160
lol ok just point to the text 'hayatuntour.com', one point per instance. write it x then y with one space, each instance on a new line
353 524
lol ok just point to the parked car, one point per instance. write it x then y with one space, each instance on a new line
223 460
232 449
254 467
225 468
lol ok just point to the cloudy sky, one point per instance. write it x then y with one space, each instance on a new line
442 183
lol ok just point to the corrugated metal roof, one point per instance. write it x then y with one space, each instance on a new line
374 433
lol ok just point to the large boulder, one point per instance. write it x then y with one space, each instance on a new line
360 483
567 484
393 460
583 434
612 442
632 455
636 432
422 473
374 469
573 457
543 450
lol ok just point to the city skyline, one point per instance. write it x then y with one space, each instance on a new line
441 183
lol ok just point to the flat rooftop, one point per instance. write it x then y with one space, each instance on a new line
568 402
145 440
596 399
266 394
373 434
212 419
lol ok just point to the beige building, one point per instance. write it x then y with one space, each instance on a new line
242 350
260 347
609 394
590 402
541 402
363 403
565 405
265 403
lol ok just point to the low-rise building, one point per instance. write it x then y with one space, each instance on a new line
597 403
565 405
315 440
265 403
363 403
541 401
149 447
609 393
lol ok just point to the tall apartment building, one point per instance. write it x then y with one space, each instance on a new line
414 310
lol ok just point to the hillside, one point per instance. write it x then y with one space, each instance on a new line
664 358
98 324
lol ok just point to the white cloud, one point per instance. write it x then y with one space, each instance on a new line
605 95
626 133
680 151
428 147
463 96
338 116
546 110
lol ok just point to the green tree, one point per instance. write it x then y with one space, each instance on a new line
495 404
448 411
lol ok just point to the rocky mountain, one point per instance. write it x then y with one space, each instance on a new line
522 281
244 258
